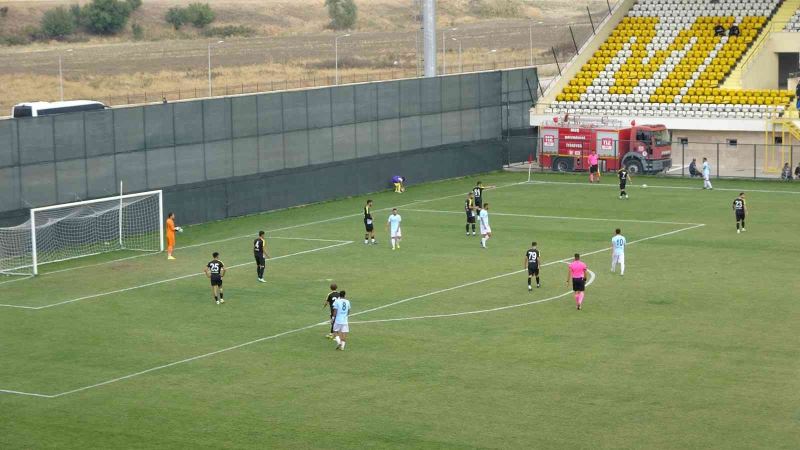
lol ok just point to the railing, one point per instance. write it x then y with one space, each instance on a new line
761 40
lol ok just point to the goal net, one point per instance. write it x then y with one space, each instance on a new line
74 230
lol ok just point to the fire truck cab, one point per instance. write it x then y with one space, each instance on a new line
567 143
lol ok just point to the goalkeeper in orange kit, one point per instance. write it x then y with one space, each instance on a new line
171 229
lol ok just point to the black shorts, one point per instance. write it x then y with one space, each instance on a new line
470 218
369 226
478 202
260 260
216 281
533 269
622 185
578 284
594 169
739 215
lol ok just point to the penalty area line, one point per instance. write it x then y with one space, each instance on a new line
326 323
592 277
168 280
532 216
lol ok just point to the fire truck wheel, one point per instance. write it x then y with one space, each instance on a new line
634 167
562 165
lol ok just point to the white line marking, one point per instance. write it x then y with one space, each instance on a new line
31 394
531 216
17 278
194 358
332 219
480 311
650 186
169 280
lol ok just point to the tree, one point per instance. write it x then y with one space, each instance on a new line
343 13
57 23
105 16
199 14
176 16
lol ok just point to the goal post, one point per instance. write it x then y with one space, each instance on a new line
67 231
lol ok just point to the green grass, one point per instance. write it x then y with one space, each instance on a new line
695 347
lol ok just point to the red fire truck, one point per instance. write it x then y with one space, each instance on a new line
567 143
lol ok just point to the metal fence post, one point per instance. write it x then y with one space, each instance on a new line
717 160
683 159
755 150
574 42
590 19
608 3
556 59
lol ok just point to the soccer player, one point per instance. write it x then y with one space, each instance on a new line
393 225
341 312
624 177
369 226
618 243
329 300
706 174
532 262
171 229
261 255
577 272
477 191
740 209
486 230
469 208
594 167
215 270
399 184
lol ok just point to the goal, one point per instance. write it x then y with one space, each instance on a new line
75 230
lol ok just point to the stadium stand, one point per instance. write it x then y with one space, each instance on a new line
665 59
794 23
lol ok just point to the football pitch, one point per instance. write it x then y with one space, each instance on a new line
695 347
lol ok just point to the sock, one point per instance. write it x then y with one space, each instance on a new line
483 241
622 268
742 223
467 228
216 299
580 298
577 297
737 225
220 295
613 266
337 340
473 227
331 327
343 344
529 281
393 243
537 280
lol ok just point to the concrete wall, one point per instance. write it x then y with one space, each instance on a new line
49 160
762 72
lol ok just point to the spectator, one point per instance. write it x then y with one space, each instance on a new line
786 173
797 94
693 172
797 172
719 30
734 30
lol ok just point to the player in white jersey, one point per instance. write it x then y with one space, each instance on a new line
341 312
618 243
393 225
706 174
486 230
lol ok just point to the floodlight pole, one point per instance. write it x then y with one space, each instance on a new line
429 36
209 67
336 51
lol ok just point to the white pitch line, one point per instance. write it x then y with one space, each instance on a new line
169 280
480 311
202 244
194 358
532 216
763 191
30 394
